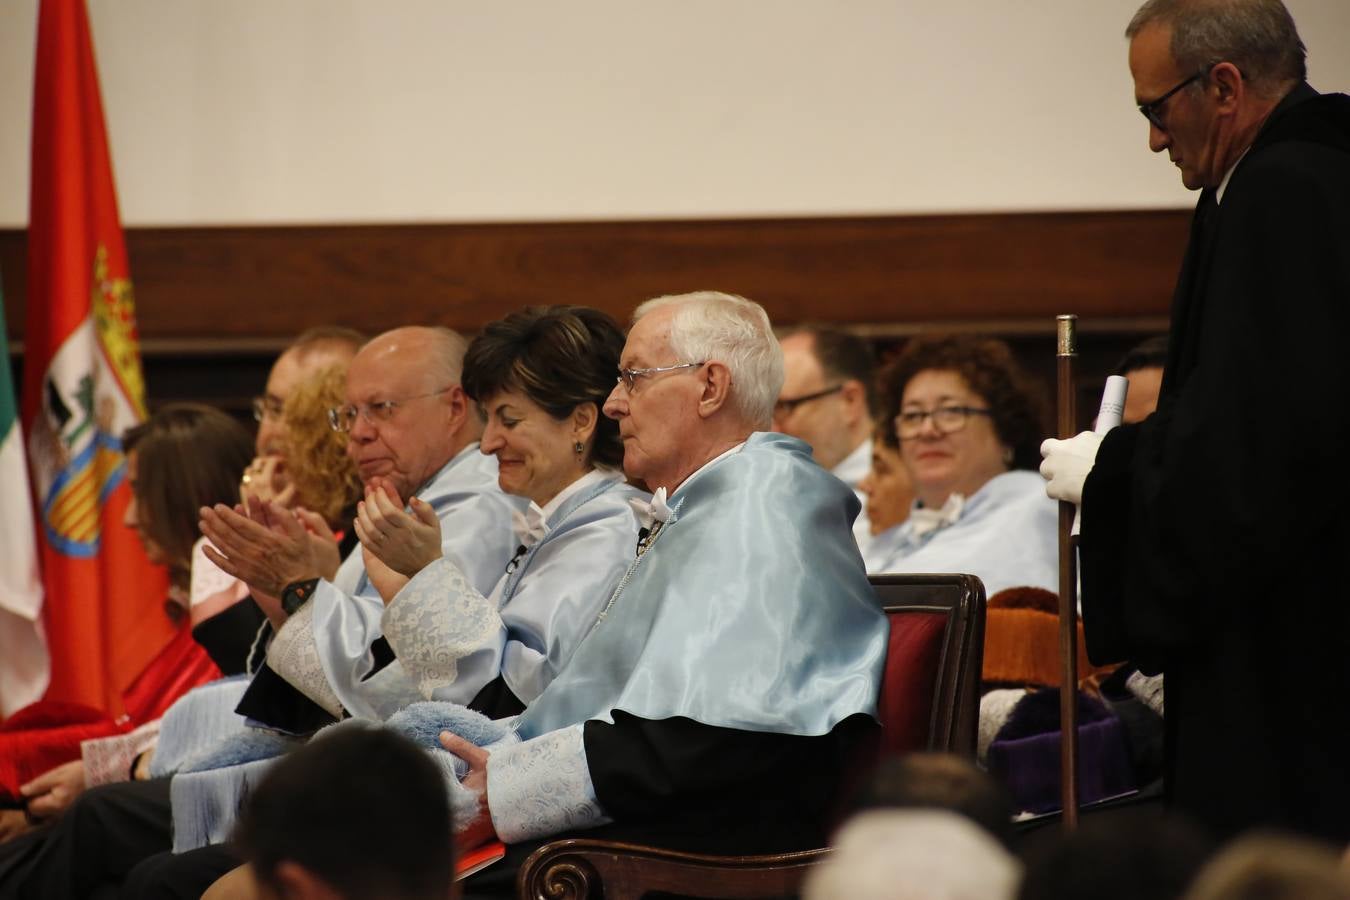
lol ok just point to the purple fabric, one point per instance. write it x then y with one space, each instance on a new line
1029 766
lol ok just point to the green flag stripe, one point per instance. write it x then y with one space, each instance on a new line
9 410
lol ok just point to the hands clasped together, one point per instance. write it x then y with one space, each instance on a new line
396 544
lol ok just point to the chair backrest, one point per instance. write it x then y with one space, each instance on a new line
930 696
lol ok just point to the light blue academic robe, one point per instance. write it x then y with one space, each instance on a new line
451 643
345 615
1006 535
750 610
331 636
540 610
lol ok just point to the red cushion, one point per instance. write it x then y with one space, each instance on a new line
912 657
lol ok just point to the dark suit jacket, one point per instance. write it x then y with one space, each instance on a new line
1215 533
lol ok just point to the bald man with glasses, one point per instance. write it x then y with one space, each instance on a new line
410 429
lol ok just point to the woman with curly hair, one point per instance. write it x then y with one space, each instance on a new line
969 425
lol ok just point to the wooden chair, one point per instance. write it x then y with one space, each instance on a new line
929 700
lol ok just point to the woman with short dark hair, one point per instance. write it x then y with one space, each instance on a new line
540 377
968 422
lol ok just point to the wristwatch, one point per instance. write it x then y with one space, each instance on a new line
297 594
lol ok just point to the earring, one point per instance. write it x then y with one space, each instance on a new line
579 448
1007 456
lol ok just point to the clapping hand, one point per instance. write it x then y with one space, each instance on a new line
386 580
403 542
267 549
322 542
266 479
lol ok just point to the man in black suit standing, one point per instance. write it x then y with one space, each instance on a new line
1214 531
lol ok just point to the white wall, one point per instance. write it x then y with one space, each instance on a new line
274 111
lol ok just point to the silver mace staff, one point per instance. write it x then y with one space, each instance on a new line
1066 351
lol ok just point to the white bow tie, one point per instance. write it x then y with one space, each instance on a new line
653 512
529 526
926 521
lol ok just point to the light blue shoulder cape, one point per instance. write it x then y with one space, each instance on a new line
1007 536
544 605
750 610
561 584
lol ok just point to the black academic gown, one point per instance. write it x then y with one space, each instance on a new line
1215 532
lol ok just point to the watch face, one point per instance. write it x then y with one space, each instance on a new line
295 595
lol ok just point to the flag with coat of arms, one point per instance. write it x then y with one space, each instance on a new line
103 611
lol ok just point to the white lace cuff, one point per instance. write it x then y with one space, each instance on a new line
542 787
108 759
435 621
294 655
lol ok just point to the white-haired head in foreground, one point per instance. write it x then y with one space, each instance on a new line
710 325
914 854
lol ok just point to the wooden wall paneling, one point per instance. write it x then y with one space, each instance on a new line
215 304
232 285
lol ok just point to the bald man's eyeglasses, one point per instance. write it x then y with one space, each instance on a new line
342 418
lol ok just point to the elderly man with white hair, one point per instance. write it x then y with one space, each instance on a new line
738 662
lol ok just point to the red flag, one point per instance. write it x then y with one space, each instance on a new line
82 387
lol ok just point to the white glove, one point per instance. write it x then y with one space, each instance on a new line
1067 464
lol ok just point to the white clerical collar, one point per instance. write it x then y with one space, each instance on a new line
1223 185
531 525
854 467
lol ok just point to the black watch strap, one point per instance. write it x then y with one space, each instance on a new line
297 594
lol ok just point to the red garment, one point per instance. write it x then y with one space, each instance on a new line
82 383
46 734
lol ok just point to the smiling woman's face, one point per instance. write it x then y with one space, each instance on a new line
536 453
955 462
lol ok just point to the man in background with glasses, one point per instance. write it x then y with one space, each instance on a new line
314 350
827 401
1205 526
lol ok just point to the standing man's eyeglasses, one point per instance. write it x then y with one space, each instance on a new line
1152 110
